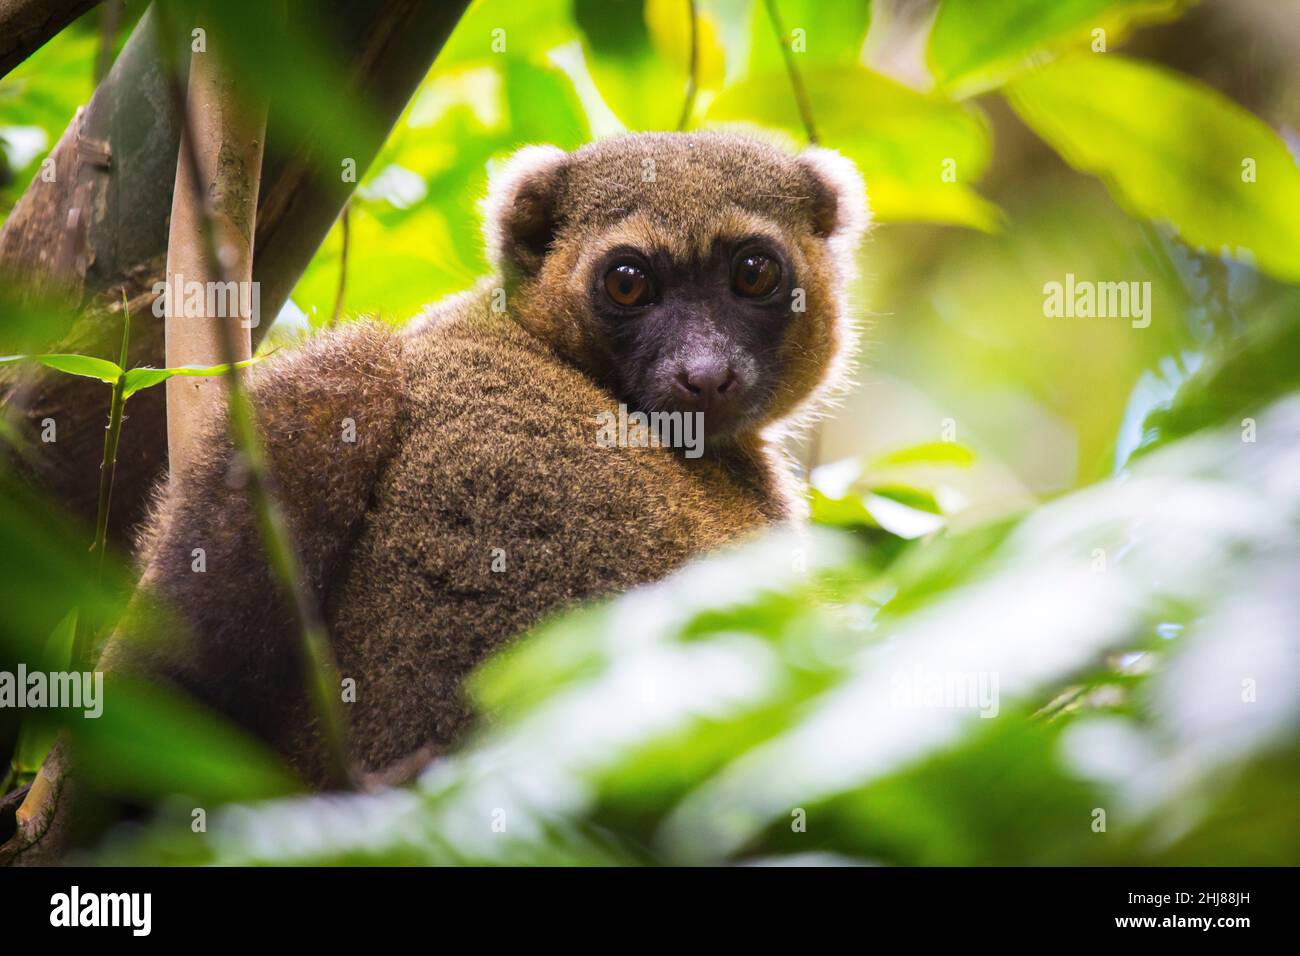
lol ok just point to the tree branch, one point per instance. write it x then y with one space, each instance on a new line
108 20
26 25
343 269
796 81
101 226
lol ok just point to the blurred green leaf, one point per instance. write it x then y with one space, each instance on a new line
820 34
854 494
39 98
38 729
29 320
975 45
903 512
149 742
918 154
492 30
46 572
1240 377
637 46
1170 149
845 511
697 719
929 453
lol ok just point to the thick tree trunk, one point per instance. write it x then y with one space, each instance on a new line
97 226
102 227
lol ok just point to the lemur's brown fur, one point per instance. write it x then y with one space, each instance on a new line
475 440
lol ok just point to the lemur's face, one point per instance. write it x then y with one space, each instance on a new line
686 272
699 332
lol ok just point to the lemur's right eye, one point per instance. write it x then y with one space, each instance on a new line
628 285
756 276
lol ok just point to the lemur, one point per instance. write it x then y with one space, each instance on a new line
445 484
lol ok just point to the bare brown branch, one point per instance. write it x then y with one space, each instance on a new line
26 25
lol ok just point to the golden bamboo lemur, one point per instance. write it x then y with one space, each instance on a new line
700 272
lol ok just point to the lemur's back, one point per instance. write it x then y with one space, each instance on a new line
473 447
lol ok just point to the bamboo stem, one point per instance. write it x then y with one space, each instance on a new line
316 654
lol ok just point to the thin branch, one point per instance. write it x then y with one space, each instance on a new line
108 21
796 81
111 438
343 267
317 656
693 76
83 639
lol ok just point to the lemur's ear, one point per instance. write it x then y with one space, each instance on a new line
838 197
520 212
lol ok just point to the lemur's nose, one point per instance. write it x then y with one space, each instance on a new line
703 384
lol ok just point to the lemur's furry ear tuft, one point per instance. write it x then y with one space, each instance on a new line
520 214
839 197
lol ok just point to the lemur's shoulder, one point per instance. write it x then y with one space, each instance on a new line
326 410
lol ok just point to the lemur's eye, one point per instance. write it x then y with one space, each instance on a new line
628 285
755 276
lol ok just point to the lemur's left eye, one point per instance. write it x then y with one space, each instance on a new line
755 276
628 285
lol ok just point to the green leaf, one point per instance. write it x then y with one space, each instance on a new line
689 721
975 45
142 378
918 153
847 511
903 519
38 730
150 741
904 512
490 28
1171 149
43 93
47 571
1240 376
819 33
86 366
930 453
